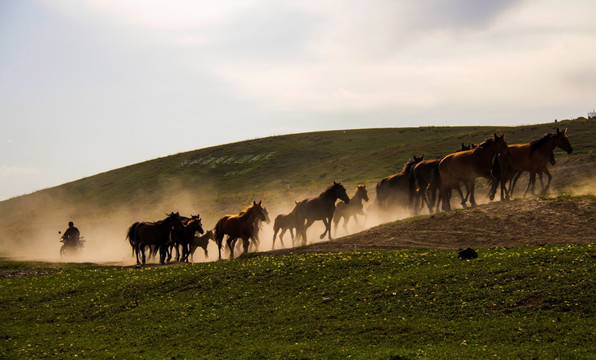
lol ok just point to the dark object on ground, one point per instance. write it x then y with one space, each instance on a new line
467 254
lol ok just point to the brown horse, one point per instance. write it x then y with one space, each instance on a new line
255 240
466 166
241 226
422 183
153 234
284 222
184 236
394 189
200 241
321 207
534 158
351 209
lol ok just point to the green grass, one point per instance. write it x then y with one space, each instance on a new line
519 303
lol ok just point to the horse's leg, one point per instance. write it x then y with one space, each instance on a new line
246 243
514 180
531 182
494 183
303 230
281 236
346 219
136 250
356 220
550 177
461 194
274 236
143 253
445 196
231 243
471 185
327 223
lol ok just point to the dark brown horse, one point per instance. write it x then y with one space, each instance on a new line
351 209
241 226
422 183
466 166
393 190
153 234
284 222
184 236
534 158
321 207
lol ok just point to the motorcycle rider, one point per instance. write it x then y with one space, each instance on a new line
71 236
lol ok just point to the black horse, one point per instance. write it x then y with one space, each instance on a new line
321 207
153 234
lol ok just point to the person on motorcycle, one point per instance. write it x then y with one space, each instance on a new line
71 235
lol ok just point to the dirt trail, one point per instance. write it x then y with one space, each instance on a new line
511 223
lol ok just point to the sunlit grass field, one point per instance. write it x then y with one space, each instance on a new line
518 303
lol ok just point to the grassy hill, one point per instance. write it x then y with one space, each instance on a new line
519 303
224 179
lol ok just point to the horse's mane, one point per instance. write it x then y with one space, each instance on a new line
407 165
536 144
327 190
486 143
245 210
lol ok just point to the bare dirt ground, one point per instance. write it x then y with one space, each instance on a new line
506 224
498 224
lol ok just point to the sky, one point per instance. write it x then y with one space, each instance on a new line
88 86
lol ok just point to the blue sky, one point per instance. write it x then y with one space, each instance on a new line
87 86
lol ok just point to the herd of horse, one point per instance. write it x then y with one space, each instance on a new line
420 183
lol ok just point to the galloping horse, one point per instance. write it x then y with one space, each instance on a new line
394 189
466 166
284 222
238 226
184 237
156 234
255 236
321 207
351 209
202 241
535 156
422 181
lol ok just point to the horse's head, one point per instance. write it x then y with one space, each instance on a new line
465 147
500 144
267 219
195 222
562 141
362 192
260 212
340 192
173 220
410 163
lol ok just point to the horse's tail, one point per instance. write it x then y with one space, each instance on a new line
434 185
496 170
130 235
218 233
412 186
381 195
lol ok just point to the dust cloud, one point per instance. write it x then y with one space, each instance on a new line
105 230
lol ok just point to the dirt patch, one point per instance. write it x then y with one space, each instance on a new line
509 223
22 273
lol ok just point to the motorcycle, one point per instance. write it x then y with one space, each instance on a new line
71 248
